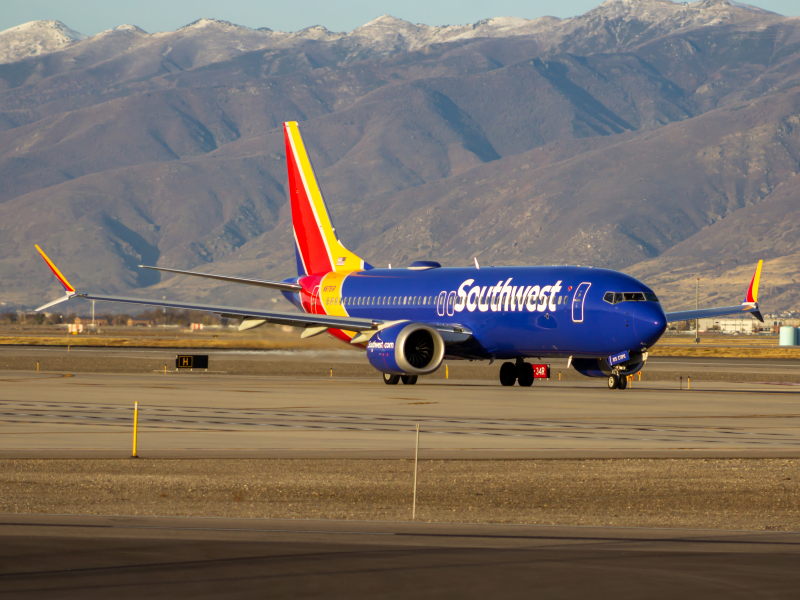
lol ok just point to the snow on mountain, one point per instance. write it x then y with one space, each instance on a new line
35 38
620 22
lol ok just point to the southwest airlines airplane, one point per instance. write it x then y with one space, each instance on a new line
409 320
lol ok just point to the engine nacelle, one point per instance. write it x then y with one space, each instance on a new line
406 349
598 367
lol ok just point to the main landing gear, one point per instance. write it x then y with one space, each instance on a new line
617 382
390 379
510 373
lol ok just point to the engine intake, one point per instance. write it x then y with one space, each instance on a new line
406 349
598 367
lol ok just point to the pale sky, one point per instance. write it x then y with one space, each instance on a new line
92 16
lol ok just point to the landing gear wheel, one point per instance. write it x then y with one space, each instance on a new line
525 374
508 374
390 379
613 381
623 383
409 379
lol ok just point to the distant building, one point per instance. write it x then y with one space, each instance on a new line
139 323
744 326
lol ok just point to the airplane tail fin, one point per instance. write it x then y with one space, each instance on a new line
317 247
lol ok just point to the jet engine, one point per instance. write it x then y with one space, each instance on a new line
406 349
598 367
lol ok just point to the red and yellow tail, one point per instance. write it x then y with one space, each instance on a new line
318 249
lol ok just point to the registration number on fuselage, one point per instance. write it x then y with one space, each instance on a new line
616 359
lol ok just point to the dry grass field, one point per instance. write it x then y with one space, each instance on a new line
277 338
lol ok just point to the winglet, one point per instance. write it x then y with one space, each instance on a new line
752 291
67 287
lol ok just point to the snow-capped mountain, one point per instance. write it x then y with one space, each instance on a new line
632 136
35 38
625 22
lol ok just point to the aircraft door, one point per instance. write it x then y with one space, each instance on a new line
440 302
577 302
316 302
451 304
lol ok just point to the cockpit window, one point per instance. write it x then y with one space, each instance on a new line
633 296
617 297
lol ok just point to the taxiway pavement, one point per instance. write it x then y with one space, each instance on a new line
136 557
205 415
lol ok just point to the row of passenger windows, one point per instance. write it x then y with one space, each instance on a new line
383 301
617 297
408 300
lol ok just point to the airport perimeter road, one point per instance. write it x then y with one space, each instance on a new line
194 415
135 557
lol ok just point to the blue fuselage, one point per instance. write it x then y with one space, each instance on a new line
512 312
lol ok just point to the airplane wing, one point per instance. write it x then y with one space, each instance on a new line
269 316
276 285
749 305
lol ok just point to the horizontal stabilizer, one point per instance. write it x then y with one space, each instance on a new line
276 285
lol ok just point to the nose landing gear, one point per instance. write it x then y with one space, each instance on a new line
617 382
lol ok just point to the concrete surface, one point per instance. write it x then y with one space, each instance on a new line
126 557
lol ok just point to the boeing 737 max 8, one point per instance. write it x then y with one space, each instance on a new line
409 320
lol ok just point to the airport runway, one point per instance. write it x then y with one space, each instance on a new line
136 557
205 415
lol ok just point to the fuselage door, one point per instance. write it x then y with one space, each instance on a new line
577 302
440 302
316 303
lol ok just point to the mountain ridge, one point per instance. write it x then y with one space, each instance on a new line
647 136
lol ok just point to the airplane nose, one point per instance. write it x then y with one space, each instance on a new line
649 322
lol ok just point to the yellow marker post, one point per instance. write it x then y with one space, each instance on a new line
37 366
446 372
135 427
640 375
559 375
688 383
165 369
331 373
67 348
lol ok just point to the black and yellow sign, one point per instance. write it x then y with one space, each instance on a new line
191 361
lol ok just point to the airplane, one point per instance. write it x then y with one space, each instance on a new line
410 319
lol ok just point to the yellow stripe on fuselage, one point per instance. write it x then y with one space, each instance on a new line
330 294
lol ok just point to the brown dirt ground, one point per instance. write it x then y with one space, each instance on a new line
757 494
